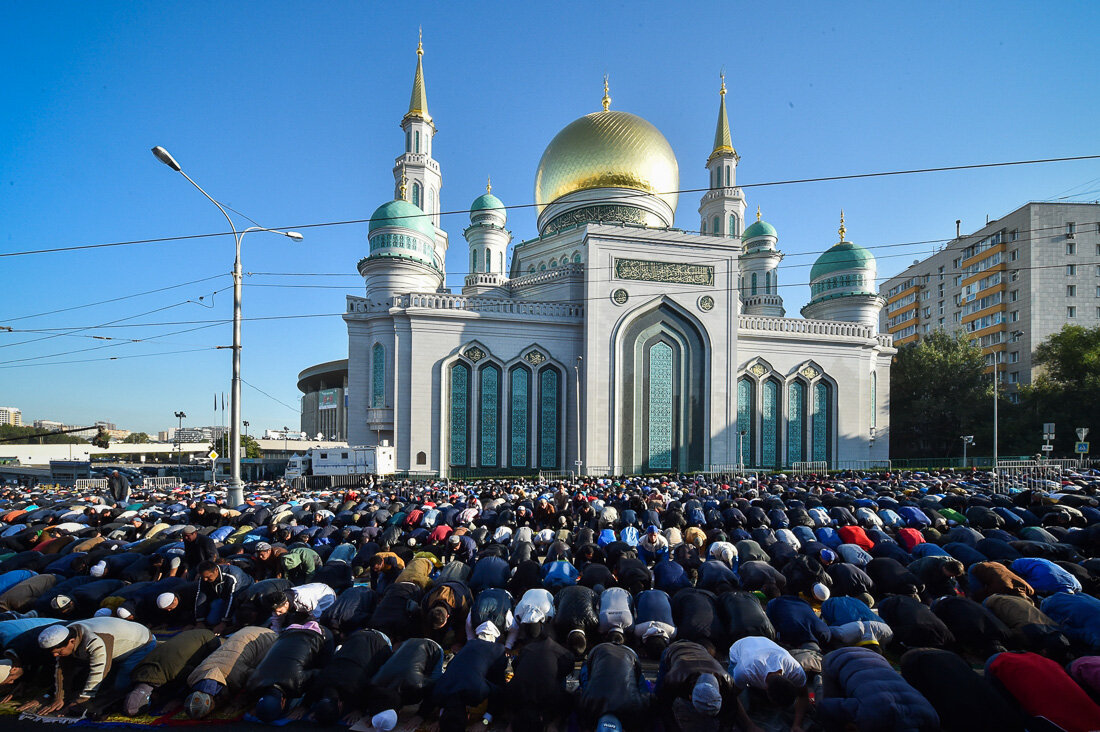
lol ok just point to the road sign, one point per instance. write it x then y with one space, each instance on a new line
1082 433
1081 448
213 455
1048 448
1048 428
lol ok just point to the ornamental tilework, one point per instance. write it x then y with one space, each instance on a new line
489 418
378 376
460 382
521 391
795 407
821 422
670 272
660 406
768 421
744 419
548 418
534 357
475 354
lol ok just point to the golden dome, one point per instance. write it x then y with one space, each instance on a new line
608 149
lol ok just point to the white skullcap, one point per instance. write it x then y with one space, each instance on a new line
60 602
98 569
53 636
821 592
165 599
384 721
5 670
488 631
124 613
102 612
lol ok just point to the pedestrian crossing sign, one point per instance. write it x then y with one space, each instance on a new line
1081 448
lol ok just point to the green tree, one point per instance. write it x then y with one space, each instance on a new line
936 387
137 438
249 447
23 435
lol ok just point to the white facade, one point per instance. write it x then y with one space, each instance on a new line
614 343
11 415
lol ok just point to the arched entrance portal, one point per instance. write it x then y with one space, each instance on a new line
664 387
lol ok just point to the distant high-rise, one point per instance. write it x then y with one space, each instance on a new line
1008 286
11 415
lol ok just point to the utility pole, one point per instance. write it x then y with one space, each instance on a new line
179 447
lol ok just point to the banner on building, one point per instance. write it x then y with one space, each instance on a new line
328 398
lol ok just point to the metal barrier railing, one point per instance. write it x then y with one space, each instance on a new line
91 484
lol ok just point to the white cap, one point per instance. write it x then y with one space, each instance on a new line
165 599
60 602
124 613
98 569
821 592
384 721
5 670
53 636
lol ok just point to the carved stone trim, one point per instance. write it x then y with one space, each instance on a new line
620 296
673 273
759 369
810 372
475 354
595 214
706 303
534 357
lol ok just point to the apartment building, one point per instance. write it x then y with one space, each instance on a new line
11 415
1008 285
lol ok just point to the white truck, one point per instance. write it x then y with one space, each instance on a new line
374 460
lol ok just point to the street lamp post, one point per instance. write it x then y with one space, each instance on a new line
179 446
236 492
967 439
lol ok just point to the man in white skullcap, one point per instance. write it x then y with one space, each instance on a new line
103 645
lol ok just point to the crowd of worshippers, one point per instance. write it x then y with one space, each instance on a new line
847 602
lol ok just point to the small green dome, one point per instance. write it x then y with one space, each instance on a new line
403 214
758 229
487 202
842 256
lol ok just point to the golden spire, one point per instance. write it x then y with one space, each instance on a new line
488 184
403 187
418 102
420 41
842 230
758 213
723 142
606 95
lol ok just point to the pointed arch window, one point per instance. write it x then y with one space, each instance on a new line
549 422
489 415
416 193
717 226
822 424
745 399
416 138
408 141
734 226
576 257
727 176
796 407
473 260
874 409
460 414
769 424
378 376
703 227
519 416
752 289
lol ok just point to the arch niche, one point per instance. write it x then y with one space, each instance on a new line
664 388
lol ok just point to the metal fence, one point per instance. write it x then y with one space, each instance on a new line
810 466
91 484
157 484
1023 474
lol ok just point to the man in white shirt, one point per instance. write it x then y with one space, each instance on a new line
761 664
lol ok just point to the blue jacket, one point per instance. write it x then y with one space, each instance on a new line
1079 616
839 610
1045 576
795 622
872 695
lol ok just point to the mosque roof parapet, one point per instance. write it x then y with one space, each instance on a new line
805 326
490 305
557 273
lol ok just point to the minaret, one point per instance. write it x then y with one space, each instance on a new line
758 265
417 163
722 208
488 240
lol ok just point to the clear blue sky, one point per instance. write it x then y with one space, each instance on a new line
289 112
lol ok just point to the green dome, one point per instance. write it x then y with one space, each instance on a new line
403 214
487 202
758 229
842 256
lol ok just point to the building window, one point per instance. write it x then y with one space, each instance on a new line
416 193
716 223
744 419
928 312
795 408
735 227
378 376
1071 270
821 422
1014 255
519 416
1014 398
1014 357
769 421
473 261
1071 290
1014 377
421 458
1071 247
489 414
1014 276
1071 312
460 414
661 406
416 138
874 396
1014 235
1071 228
958 316
753 280
1013 295
549 399
1014 316
703 226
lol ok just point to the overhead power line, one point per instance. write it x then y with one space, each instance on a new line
763 184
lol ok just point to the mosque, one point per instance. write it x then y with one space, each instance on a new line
612 342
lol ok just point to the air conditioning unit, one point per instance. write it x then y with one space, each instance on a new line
1071 235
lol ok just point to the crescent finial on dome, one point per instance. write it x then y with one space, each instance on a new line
606 95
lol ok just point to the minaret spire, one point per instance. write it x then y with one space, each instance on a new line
842 231
418 103
723 142
606 95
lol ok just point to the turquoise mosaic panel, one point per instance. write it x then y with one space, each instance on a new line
460 419
548 418
521 399
768 420
660 406
821 422
378 376
744 419
795 407
489 418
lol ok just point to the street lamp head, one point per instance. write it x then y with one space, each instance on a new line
166 157
294 235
